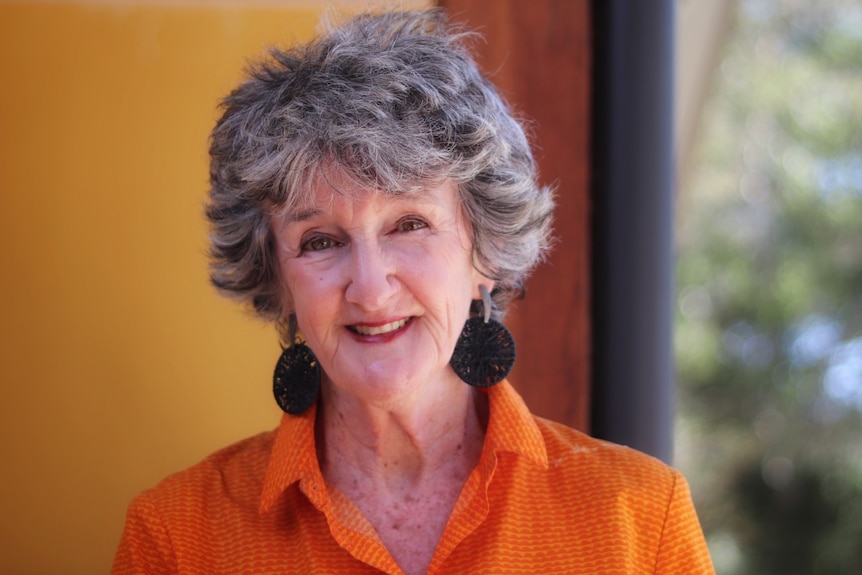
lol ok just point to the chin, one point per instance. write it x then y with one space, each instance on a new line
384 382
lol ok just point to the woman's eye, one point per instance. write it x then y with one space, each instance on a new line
318 243
411 225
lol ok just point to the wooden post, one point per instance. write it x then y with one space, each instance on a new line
538 54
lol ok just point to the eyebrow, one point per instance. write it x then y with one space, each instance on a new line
303 215
309 213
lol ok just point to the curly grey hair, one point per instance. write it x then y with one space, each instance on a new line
394 101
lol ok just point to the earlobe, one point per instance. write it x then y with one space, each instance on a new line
483 281
287 307
480 279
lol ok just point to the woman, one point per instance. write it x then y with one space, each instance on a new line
373 196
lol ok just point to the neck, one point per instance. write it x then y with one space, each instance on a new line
402 444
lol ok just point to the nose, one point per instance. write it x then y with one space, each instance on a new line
372 279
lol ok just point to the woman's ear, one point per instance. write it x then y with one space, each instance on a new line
286 302
488 283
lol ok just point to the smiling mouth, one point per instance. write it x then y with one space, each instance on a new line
379 329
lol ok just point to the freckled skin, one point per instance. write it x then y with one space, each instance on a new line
381 287
364 257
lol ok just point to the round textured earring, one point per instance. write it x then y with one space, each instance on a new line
485 352
296 381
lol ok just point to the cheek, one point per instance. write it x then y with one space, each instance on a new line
315 297
305 281
441 278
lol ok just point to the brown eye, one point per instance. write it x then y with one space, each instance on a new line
318 243
411 225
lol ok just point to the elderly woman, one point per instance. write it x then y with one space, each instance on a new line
373 196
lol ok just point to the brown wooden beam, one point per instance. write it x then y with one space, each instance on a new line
538 54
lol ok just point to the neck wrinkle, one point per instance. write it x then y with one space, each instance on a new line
398 449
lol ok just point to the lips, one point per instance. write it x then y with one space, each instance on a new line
379 329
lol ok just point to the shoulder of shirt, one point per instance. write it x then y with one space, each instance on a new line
235 472
573 452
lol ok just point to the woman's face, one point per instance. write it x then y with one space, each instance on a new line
380 285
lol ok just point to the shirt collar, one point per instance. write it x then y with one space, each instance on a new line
511 428
293 457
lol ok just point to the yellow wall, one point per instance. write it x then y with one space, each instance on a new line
118 363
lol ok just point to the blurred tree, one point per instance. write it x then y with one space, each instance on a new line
769 328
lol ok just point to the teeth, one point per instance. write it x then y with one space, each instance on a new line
380 329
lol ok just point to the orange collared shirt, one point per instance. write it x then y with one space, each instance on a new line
542 499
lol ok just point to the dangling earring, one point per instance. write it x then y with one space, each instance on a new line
296 381
485 352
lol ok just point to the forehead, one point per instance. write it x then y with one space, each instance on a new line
329 195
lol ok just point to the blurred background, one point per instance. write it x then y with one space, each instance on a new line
769 267
119 364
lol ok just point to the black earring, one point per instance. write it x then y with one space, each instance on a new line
296 381
485 352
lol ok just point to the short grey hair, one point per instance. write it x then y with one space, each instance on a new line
395 102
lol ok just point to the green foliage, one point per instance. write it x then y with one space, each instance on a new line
769 326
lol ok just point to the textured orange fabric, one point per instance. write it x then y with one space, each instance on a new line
543 499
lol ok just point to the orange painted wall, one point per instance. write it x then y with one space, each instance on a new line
118 363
